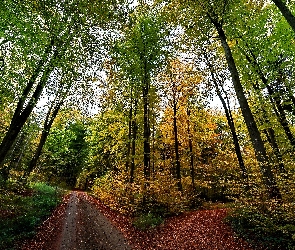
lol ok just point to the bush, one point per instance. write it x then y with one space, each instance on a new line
160 197
147 221
271 225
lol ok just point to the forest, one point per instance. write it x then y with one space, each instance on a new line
154 107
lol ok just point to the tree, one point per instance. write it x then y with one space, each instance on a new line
214 15
225 103
249 119
286 12
59 30
143 48
180 80
65 151
52 113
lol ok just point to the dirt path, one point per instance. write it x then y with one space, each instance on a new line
84 223
81 226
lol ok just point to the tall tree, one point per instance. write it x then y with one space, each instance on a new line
143 48
225 103
286 12
180 80
59 26
54 108
215 15
254 133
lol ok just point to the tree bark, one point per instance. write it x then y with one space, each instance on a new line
230 122
133 143
50 117
281 114
190 144
270 134
275 100
176 143
286 13
127 164
146 125
153 150
260 151
22 113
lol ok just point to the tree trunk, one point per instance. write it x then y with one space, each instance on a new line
146 128
270 134
190 144
176 145
127 164
153 149
21 114
46 129
286 13
230 122
19 119
276 102
281 114
268 176
133 143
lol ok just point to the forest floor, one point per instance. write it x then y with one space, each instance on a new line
82 222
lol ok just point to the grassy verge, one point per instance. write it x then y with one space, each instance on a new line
22 210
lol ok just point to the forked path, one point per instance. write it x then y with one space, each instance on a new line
84 223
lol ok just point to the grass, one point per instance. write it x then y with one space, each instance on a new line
22 210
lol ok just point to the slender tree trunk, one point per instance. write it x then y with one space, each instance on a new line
276 102
51 115
127 164
176 145
286 13
268 176
21 114
230 122
133 143
281 115
22 143
133 150
190 144
5 171
146 128
153 150
270 134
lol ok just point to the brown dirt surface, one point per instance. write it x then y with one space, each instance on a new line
84 223
77 225
198 230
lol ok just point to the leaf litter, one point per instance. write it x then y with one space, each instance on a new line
202 229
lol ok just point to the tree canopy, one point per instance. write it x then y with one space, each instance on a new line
154 106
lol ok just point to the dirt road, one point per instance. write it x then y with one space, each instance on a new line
84 223
81 226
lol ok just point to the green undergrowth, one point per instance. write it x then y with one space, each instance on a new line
266 225
22 210
147 221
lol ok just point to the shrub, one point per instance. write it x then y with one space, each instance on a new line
147 221
270 225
